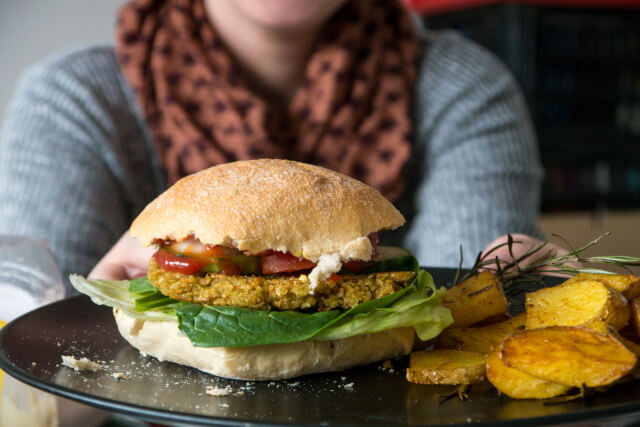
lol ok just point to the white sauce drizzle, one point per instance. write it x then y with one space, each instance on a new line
327 264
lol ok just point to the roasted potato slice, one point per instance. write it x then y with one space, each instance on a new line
600 326
634 306
575 304
475 299
573 356
481 339
629 343
446 367
635 348
627 284
493 319
519 385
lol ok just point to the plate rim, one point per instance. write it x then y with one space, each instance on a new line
626 409
152 414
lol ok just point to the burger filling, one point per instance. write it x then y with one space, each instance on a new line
192 257
220 297
277 291
218 275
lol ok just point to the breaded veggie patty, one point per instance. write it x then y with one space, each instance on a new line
276 292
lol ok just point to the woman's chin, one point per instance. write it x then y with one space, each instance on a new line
289 15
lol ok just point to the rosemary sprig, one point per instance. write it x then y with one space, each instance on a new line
520 271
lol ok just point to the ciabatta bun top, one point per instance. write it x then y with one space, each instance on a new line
282 205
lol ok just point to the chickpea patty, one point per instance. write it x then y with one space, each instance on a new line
276 292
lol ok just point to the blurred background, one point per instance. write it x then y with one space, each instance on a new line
32 29
578 62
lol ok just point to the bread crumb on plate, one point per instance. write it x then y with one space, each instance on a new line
83 364
216 391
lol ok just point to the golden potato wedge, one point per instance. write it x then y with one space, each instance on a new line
634 306
627 284
572 356
446 367
475 299
600 326
480 339
635 348
576 304
519 385
493 319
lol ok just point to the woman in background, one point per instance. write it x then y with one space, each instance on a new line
431 120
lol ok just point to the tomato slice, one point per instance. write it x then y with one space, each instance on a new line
283 262
229 268
334 278
357 266
178 263
190 256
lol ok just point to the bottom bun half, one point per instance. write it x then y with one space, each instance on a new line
164 341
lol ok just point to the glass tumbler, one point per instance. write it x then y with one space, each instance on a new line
29 278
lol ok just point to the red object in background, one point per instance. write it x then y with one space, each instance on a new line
430 7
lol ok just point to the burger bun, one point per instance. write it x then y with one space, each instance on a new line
270 204
164 341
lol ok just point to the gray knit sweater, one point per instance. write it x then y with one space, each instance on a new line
77 162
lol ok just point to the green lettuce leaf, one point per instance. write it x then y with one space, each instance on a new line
141 285
417 306
115 293
148 297
209 326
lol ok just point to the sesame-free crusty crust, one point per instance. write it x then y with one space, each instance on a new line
282 205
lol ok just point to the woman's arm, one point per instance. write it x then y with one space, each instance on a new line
476 155
72 164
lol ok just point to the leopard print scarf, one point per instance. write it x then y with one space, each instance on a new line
350 114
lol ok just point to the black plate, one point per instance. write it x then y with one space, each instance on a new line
31 346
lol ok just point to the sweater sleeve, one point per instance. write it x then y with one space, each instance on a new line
475 161
73 170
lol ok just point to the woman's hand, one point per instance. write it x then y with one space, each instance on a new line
522 244
127 259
